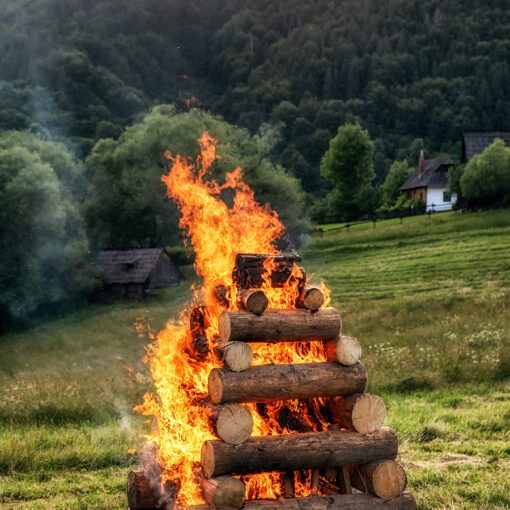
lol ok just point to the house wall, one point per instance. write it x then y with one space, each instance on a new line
436 202
418 194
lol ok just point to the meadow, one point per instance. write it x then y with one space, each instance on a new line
429 300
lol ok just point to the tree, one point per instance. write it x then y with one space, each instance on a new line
127 204
42 239
398 174
348 164
486 179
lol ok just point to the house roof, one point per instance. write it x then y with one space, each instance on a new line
474 142
128 266
429 176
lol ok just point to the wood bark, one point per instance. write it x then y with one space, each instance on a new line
336 502
280 325
233 423
267 383
362 412
385 479
311 298
198 324
249 271
253 301
223 493
237 356
290 452
344 349
289 488
139 492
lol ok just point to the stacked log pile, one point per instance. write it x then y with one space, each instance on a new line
352 459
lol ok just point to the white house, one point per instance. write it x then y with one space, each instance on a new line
430 183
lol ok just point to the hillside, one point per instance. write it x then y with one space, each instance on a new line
434 327
415 73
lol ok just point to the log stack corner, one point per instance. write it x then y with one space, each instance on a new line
355 456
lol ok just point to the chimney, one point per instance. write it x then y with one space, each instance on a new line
421 162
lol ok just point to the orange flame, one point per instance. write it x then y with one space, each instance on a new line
218 232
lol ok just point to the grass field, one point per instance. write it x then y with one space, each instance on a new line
429 300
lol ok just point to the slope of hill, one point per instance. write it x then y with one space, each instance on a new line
439 354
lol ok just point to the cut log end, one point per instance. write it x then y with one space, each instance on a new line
237 356
253 301
215 386
362 412
346 350
139 493
385 479
311 298
224 492
234 424
207 459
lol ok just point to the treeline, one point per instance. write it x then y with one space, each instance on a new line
419 69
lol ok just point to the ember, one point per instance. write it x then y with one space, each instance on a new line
306 428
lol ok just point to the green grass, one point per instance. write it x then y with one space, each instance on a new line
429 299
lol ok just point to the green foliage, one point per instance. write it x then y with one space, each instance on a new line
454 175
486 179
127 204
398 174
348 163
42 240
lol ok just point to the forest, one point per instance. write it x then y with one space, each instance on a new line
92 92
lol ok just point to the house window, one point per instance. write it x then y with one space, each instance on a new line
447 197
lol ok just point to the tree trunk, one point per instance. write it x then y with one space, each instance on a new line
233 423
237 356
139 492
336 502
223 493
311 298
362 412
344 349
280 326
385 479
297 451
267 383
253 301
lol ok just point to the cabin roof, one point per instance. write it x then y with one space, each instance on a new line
128 266
474 142
429 176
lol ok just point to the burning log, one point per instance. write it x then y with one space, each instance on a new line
310 450
249 270
223 493
237 356
198 325
344 349
311 298
288 484
362 412
383 478
266 383
220 295
139 492
345 502
280 326
253 301
233 423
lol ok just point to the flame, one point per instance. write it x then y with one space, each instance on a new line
218 232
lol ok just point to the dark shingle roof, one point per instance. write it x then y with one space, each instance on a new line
128 266
474 142
430 176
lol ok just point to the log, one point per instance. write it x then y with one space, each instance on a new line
221 295
344 349
385 479
223 493
311 298
362 412
289 452
267 383
249 270
198 324
139 492
237 356
280 325
289 489
233 423
343 480
253 301
335 502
